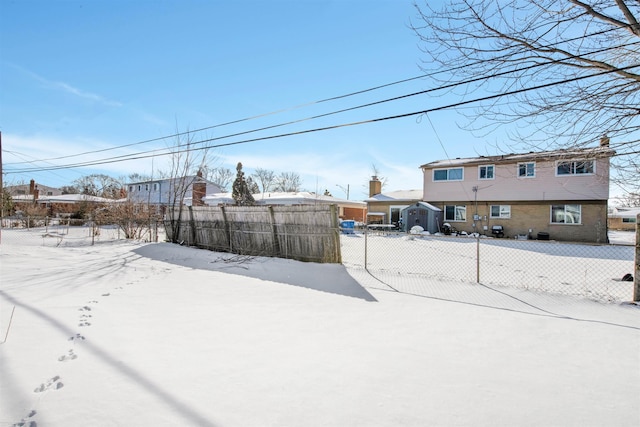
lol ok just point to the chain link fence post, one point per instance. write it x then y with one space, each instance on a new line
477 258
366 232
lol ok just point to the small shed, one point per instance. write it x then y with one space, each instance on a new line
423 214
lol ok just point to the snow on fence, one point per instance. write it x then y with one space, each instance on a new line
303 233
424 264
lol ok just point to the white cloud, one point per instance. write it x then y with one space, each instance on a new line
67 88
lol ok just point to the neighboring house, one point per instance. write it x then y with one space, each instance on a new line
559 195
68 204
165 192
32 189
348 209
623 218
385 208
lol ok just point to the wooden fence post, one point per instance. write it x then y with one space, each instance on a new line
192 225
227 231
274 231
335 229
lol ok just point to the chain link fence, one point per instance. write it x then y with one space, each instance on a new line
427 265
432 265
63 232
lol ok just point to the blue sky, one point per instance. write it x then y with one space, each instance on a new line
89 76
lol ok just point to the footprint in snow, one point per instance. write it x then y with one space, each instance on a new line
25 422
77 337
52 383
69 356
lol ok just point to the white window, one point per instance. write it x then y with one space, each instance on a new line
155 186
485 172
527 170
455 213
139 187
500 211
453 174
146 187
629 220
566 214
131 189
575 167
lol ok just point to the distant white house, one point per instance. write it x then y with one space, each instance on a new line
163 192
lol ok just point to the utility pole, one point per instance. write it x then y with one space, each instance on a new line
1 190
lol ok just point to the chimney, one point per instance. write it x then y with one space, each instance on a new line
199 191
36 193
375 186
604 141
32 186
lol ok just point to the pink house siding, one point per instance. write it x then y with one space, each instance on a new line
506 185
563 194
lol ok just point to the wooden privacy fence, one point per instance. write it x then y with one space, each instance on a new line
304 232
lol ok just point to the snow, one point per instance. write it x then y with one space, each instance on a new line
154 334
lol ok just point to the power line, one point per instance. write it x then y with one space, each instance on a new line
451 85
189 145
326 128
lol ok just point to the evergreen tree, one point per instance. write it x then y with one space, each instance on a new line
241 192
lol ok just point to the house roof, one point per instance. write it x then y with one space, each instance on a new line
74 198
12 189
625 212
399 196
590 153
284 198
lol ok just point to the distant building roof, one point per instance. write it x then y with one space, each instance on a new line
624 212
399 195
74 198
283 198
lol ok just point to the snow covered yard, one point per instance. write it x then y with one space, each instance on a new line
591 271
123 333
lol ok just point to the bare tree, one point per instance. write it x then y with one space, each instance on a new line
631 200
375 171
99 185
133 219
69 189
265 179
136 177
187 159
571 69
221 176
288 182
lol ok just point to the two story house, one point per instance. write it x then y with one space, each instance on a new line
559 195
161 193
